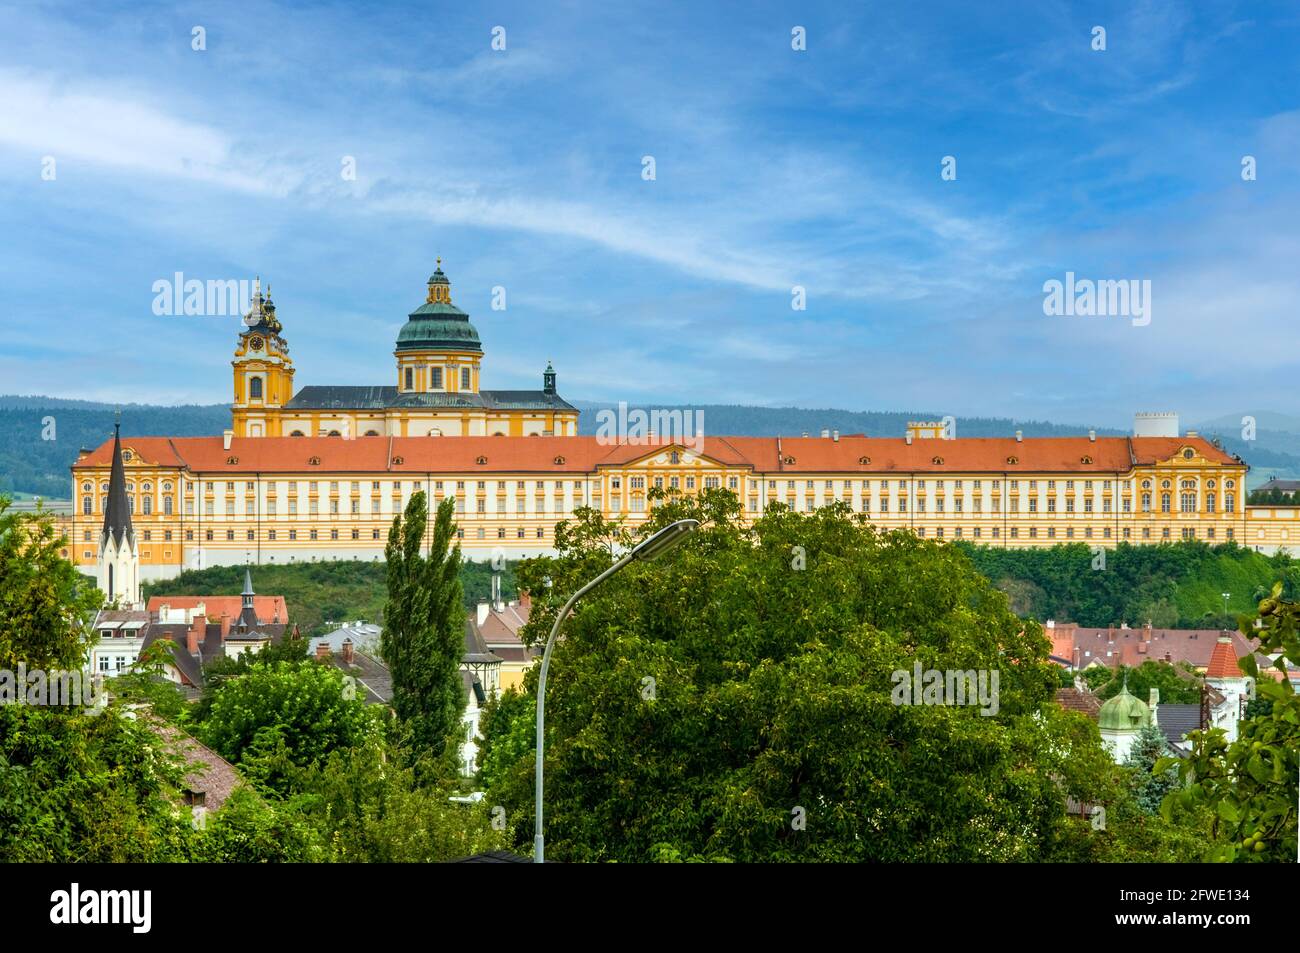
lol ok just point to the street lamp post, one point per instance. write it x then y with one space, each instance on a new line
649 548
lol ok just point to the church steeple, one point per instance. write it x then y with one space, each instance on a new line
117 510
263 369
118 568
548 379
248 614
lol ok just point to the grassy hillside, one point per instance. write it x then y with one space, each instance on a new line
1175 584
322 592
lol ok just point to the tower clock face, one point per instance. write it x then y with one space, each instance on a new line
255 344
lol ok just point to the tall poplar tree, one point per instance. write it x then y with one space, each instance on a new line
424 625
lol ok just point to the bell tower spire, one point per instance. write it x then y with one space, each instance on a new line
263 378
117 570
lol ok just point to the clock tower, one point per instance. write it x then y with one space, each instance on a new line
263 370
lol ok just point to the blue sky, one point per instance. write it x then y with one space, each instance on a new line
774 168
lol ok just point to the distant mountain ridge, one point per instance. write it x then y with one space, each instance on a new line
31 464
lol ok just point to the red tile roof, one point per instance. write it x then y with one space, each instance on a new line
1131 647
1223 661
584 454
268 608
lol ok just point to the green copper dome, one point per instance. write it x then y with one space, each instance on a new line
438 324
1123 713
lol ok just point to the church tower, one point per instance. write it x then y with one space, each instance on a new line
263 370
118 568
438 351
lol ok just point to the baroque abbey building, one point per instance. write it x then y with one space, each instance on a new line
319 474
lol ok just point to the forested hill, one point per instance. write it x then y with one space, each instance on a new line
31 464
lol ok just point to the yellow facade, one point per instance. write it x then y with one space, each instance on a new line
320 474
435 389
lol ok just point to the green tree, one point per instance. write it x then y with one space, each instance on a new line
1150 786
45 604
736 701
424 627
309 707
1250 784
1178 685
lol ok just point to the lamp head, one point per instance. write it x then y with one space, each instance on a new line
664 540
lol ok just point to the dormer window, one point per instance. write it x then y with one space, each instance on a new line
864 461
232 461
1012 460
480 460
559 461
1086 460
937 461
313 461
397 462
789 461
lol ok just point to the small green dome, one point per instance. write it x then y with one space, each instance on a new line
1124 712
438 325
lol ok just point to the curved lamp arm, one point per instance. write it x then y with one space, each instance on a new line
660 542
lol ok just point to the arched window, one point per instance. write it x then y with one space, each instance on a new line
410 379
296 433
167 506
148 506
85 506
255 388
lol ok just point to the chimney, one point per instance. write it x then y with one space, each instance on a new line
1092 436
226 437
835 435
496 592
194 636
826 433
225 625
1050 623
909 438
525 599
804 434
482 612
323 651
1020 436
1146 631
1110 634
348 652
